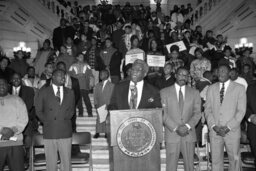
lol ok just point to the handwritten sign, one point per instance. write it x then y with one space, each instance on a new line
180 44
155 60
133 57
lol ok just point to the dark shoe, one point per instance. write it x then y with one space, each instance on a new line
96 135
106 136
90 115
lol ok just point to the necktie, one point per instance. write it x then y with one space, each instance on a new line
133 99
58 95
181 100
222 90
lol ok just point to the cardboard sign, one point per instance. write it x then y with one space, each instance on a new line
180 44
133 57
155 60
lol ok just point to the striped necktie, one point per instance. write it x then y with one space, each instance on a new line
222 90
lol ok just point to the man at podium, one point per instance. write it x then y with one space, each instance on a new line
135 94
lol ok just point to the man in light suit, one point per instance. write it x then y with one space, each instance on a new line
55 105
102 94
182 111
225 108
251 117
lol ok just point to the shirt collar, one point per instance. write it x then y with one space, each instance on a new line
226 84
177 86
140 83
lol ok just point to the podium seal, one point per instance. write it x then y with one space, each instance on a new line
136 137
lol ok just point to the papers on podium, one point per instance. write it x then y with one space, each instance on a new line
102 111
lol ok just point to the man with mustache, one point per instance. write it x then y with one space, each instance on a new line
182 111
136 94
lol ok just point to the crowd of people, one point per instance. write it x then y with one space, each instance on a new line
206 79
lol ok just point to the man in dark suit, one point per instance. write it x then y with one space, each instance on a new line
182 111
27 95
148 96
61 33
251 116
136 94
55 107
225 108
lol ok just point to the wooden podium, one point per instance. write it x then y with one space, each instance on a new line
135 137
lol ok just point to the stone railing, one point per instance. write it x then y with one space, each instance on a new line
57 9
202 10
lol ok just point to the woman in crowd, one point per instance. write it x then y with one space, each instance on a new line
42 57
199 66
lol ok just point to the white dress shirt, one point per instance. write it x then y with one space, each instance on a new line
226 84
55 89
16 90
139 91
177 88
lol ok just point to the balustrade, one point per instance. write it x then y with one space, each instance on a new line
202 10
57 9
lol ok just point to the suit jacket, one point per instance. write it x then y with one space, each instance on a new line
27 95
56 117
75 87
232 110
173 117
251 109
103 97
150 97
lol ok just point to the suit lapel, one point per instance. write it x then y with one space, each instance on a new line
229 88
187 99
65 92
125 94
175 98
143 96
20 92
52 95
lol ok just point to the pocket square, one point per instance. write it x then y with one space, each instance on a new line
150 100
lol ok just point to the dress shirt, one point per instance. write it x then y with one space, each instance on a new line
104 83
139 91
55 89
177 88
226 84
16 90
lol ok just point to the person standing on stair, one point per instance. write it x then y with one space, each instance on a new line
102 95
55 105
82 71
